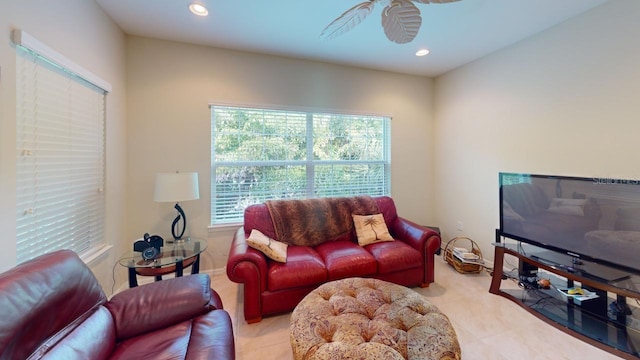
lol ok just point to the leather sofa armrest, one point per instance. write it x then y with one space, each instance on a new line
424 239
248 266
160 304
419 237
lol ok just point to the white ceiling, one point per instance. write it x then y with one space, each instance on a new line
456 33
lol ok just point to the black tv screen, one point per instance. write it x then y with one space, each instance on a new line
596 219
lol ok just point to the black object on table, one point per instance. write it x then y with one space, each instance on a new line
171 258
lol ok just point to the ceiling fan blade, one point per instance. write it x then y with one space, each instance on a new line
435 1
348 20
401 21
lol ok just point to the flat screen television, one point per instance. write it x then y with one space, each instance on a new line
593 219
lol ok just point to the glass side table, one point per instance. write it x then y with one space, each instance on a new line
172 258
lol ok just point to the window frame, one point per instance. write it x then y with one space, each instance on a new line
310 164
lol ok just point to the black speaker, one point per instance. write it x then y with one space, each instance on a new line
527 275
527 270
149 247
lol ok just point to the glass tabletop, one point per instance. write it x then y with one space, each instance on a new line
169 254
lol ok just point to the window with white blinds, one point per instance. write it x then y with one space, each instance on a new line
262 154
61 159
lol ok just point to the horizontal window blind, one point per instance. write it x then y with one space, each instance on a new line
60 165
262 154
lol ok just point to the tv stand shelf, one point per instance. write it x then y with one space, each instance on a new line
589 320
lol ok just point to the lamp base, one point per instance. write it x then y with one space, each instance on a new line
175 225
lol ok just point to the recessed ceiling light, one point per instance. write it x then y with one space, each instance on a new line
198 9
422 52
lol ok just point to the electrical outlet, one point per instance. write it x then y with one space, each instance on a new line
460 226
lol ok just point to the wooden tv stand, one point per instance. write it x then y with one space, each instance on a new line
594 321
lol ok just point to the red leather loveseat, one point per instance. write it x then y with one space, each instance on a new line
53 308
272 287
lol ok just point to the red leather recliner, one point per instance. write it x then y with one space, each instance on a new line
54 308
271 287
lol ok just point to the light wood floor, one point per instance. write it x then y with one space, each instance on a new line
488 326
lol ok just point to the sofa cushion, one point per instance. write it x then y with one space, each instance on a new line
134 316
394 256
371 229
346 259
304 267
198 337
170 343
275 250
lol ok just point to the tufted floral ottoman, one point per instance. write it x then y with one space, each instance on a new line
370 319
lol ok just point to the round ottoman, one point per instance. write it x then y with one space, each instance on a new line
359 318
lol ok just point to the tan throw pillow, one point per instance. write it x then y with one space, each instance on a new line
275 250
371 229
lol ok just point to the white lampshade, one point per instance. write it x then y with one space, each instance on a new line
174 187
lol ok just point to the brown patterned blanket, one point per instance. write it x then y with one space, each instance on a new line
310 222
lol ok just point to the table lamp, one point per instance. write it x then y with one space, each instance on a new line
177 187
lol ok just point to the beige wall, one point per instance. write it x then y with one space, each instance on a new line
79 30
563 102
171 84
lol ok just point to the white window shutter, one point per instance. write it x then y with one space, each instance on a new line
60 167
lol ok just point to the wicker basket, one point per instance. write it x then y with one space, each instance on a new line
460 266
